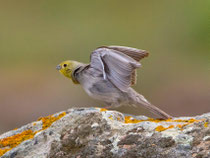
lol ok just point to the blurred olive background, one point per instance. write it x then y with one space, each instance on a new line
37 35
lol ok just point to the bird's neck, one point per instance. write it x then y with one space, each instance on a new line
73 78
75 72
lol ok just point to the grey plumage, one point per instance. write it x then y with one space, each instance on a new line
111 72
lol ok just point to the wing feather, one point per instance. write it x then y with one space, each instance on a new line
116 66
134 53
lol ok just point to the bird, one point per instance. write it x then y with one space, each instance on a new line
109 77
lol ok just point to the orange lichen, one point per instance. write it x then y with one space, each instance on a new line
15 140
182 125
8 143
12 141
161 128
206 124
157 120
47 121
3 151
129 119
187 121
102 109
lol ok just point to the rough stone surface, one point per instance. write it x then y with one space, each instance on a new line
97 133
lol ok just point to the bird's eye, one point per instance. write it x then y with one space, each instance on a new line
64 65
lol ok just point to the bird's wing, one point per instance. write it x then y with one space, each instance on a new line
116 66
136 54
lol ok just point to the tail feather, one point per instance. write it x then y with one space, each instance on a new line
140 100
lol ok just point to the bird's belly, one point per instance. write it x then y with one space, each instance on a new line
99 88
102 90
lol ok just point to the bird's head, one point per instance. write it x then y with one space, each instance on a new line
67 67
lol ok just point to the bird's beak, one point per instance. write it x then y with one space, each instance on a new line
58 67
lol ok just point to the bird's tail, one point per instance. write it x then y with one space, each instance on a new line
138 99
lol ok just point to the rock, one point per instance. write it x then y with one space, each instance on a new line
98 133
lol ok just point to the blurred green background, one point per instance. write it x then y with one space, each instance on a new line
37 35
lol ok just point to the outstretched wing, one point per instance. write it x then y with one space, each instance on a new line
116 66
136 54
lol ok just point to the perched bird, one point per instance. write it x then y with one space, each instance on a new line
110 75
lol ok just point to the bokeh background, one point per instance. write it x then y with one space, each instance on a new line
37 35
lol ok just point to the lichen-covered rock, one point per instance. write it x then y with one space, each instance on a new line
94 132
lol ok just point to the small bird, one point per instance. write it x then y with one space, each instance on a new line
110 75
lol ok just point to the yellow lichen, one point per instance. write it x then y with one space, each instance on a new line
110 117
161 128
206 124
8 143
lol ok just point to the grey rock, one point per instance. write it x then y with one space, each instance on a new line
95 133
